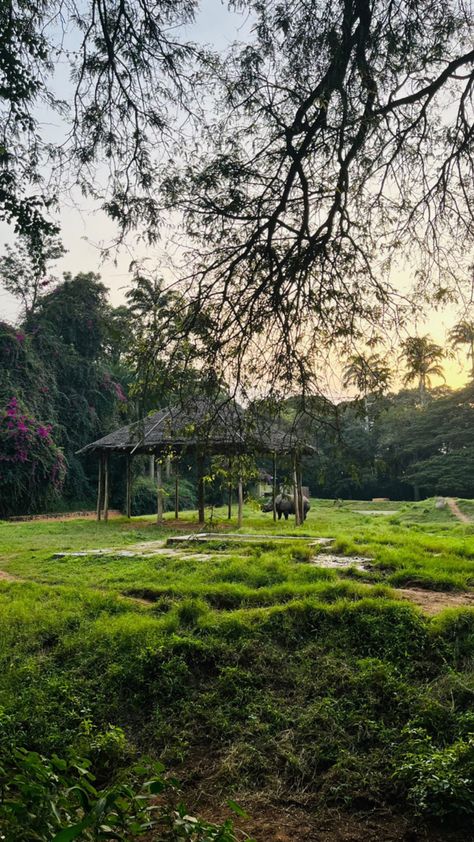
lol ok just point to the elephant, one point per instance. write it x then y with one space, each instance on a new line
285 505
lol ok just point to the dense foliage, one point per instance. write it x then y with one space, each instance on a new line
59 388
74 368
397 445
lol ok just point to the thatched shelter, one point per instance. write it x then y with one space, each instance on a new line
202 428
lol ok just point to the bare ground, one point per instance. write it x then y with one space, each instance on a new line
435 601
453 506
287 820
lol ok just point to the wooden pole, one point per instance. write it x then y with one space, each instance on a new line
229 492
159 493
151 466
241 504
200 470
274 485
300 490
295 491
99 487
176 492
128 504
106 487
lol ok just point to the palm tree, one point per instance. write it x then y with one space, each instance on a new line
423 361
463 334
369 374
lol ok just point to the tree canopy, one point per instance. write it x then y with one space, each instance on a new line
338 135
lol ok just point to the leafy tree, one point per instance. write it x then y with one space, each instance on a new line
32 467
129 69
423 361
331 143
21 275
370 374
463 334
168 362
446 428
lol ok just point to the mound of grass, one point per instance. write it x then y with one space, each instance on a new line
284 676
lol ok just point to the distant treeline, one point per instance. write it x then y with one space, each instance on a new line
73 368
398 447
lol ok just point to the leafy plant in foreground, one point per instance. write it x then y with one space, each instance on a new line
55 800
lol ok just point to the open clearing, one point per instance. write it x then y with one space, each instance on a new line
312 675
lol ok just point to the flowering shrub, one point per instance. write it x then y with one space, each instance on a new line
32 467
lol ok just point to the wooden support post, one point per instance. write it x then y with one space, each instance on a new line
128 495
176 492
159 493
295 491
241 504
229 492
106 487
200 471
99 487
151 466
300 491
274 485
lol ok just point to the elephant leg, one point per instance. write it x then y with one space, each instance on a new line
286 515
279 515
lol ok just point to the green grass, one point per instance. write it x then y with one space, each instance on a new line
285 677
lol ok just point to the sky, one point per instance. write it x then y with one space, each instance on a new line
85 230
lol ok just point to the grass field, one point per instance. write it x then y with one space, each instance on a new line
308 694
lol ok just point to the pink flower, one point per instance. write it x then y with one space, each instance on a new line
44 432
119 392
22 427
20 337
21 456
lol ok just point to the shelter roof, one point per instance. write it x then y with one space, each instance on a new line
214 427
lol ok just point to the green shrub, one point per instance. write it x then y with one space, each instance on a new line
439 782
144 496
55 800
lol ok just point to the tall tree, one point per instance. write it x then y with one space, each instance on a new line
423 361
369 374
463 334
129 70
23 277
332 146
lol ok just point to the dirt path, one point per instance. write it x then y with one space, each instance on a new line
453 506
8 577
435 601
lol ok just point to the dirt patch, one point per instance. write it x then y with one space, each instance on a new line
341 562
375 511
61 516
435 601
289 822
8 577
454 508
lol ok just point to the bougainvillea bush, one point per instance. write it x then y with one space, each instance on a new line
32 466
